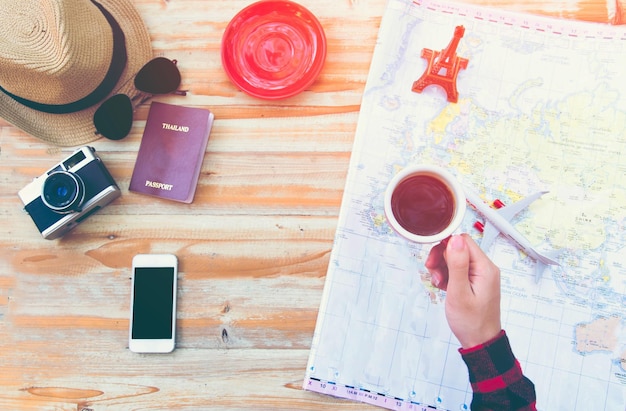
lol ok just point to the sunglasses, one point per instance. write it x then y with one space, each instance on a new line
114 118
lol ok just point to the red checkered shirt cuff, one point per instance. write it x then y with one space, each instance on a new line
496 377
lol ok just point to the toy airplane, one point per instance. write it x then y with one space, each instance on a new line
498 222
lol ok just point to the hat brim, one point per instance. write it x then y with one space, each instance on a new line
77 128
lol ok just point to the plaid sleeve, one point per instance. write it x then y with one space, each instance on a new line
496 377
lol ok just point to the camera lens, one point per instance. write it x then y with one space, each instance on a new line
63 192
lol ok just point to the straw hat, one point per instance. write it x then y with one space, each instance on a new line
59 59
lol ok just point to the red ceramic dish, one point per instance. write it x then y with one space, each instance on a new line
273 49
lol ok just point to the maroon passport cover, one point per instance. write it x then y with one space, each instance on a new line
171 151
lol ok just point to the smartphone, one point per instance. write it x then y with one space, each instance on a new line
153 303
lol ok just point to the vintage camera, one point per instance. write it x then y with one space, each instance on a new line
68 193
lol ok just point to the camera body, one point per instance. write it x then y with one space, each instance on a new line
68 193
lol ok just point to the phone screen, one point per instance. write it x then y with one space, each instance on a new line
153 297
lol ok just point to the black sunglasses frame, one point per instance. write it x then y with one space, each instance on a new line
114 117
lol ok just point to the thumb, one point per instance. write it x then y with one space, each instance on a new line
458 262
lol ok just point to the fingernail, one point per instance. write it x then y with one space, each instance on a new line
457 242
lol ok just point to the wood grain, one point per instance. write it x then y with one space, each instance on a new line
253 247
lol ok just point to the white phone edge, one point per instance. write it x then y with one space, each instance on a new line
143 346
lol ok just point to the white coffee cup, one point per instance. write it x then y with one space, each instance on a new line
424 203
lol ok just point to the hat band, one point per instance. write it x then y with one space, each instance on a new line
118 63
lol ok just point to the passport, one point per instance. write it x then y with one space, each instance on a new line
171 152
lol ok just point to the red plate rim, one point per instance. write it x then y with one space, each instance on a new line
291 17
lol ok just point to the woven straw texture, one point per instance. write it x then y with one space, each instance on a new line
56 52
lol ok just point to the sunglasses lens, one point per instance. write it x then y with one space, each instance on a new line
114 118
158 76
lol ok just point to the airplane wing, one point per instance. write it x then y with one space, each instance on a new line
510 211
489 234
507 212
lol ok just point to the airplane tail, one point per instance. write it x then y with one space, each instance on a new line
545 259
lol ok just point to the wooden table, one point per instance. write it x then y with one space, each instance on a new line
253 246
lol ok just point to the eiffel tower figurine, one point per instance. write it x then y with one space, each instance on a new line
443 67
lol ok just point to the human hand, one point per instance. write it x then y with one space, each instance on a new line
472 284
